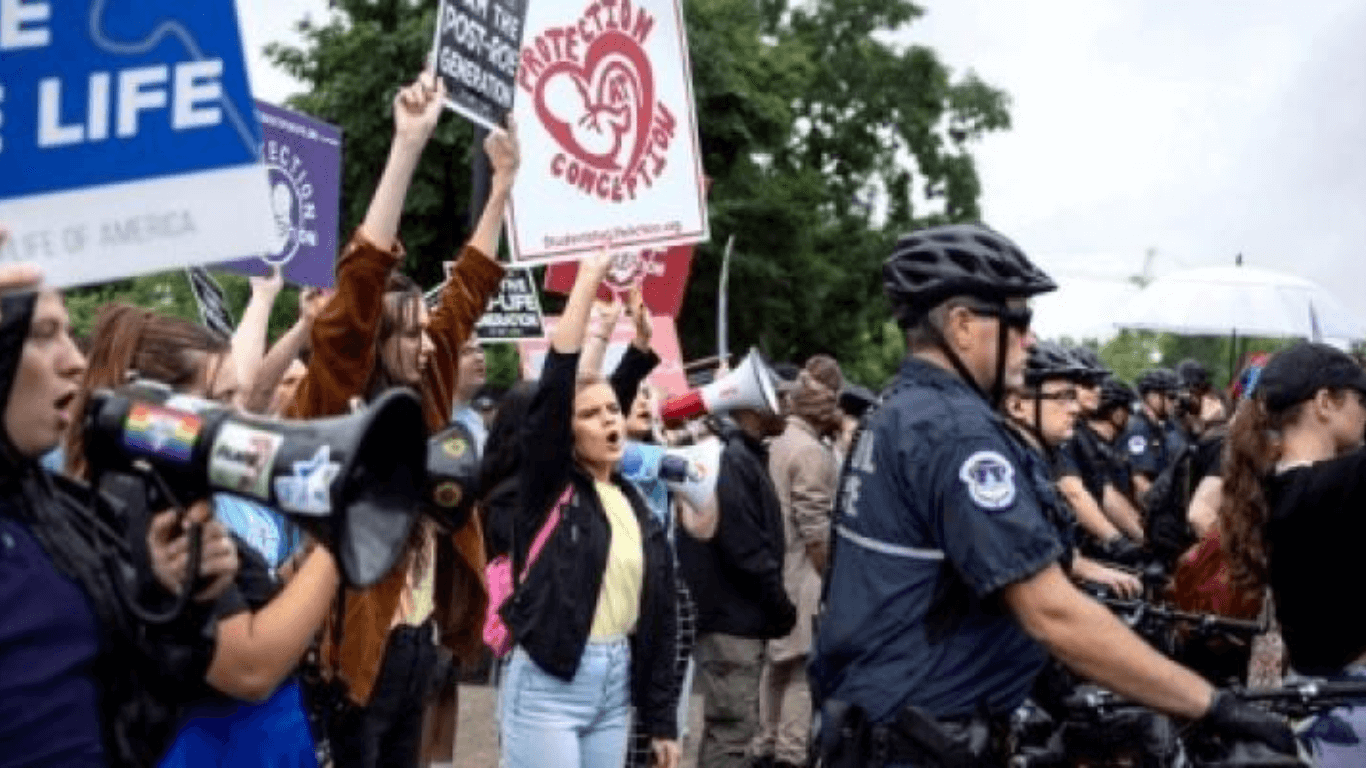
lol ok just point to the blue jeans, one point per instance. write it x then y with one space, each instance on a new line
545 722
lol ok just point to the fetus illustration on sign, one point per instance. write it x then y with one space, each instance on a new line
599 109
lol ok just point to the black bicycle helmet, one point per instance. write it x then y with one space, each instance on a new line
1048 360
1193 374
1158 380
1096 370
1115 394
931 265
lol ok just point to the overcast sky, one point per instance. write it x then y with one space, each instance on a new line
1197 128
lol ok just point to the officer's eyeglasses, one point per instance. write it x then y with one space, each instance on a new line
1018 318
1068 395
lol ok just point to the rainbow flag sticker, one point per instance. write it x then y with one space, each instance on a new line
161 433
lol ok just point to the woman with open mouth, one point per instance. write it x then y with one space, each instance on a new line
594 617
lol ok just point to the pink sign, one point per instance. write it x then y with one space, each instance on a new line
667 376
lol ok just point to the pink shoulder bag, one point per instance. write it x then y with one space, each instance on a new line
498 576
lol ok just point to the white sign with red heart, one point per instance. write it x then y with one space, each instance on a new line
608 131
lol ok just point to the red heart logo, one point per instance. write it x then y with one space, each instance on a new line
600 111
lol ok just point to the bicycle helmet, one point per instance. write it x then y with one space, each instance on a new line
931 265
1158 380
1088 357
1115 394
1192 374
1048 360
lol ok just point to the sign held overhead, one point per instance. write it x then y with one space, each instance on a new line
128 142
514 312
475 53
303 163
608 130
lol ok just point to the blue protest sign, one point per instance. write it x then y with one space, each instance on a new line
303 162
128 142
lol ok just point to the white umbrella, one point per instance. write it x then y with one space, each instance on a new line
1238 300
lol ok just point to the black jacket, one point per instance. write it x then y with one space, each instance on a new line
736 578
551 613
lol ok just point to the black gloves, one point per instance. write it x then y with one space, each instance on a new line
1121 549
1230 716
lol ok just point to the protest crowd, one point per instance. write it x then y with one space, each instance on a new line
218 551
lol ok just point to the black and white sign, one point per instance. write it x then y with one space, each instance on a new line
476 50
515 313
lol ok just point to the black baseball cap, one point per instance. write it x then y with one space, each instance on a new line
1293 375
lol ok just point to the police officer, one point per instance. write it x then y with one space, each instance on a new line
1109 423
1148 440
945 594
1111 525
1044 415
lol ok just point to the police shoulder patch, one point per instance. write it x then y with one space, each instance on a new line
990 480
1137 444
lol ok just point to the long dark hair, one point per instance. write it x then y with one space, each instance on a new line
1251 451
503 448
402 307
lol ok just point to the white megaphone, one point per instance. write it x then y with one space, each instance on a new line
749 386
690 472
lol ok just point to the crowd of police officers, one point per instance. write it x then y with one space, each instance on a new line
948 599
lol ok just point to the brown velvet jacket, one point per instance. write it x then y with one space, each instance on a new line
343 355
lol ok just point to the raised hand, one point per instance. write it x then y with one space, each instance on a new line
605 316
504 151
268 286
17 275
417 108
640 314
595 267
311 303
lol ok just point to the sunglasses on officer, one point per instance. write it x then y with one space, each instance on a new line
1017 318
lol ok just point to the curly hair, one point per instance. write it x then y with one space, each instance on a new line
1250 453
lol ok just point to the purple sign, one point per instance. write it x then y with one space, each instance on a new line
303 162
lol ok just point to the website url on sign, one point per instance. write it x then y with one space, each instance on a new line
613 235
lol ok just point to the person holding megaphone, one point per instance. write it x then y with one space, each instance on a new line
88 674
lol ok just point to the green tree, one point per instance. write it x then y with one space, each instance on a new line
817 133
169 293
1131 352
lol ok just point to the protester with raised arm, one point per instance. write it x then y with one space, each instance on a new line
249 709
593 620
393 638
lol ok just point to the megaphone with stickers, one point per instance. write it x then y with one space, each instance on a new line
354 483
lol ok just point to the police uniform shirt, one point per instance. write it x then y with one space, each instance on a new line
1083 456
1176 438
939 508
1145 444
